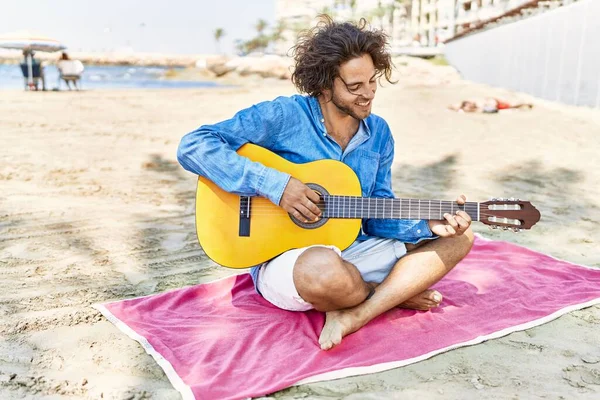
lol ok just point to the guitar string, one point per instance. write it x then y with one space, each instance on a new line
380 209
340 209
275 213
284 213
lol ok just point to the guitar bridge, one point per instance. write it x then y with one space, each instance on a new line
244 216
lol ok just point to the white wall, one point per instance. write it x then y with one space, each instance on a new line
554 55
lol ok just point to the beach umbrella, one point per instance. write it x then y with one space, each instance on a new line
30 41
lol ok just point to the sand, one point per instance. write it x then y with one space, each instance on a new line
94 207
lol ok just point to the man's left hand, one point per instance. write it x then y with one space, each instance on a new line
452 225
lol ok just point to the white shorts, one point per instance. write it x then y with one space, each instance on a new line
374 258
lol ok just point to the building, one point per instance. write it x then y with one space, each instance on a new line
297 15
435 21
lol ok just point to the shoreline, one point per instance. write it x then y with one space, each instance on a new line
113 58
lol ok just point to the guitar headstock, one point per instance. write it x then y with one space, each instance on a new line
514 214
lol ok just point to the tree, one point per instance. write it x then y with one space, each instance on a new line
379 13
260 26
277 34
353 7
218 34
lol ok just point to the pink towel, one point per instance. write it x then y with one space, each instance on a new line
221 340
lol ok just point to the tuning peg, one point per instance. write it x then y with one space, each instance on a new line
505 228
493 226
492 199
511 199
516 230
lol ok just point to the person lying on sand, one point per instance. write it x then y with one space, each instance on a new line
393 263
488 105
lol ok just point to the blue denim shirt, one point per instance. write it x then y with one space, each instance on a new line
294 128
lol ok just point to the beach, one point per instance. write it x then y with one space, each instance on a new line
94 207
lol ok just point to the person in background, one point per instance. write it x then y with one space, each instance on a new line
69 70
489 105
35 64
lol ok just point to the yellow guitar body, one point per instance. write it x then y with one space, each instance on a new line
271 230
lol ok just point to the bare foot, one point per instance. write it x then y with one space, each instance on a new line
337 325
423 301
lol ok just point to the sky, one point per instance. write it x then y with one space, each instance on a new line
169 26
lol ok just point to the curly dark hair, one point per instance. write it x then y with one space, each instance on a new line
321 50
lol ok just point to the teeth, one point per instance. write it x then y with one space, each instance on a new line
363 104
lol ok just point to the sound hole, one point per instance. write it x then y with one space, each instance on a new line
320 190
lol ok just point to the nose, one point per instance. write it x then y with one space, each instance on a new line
368 94
369 91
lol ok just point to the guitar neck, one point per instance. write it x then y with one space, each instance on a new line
385 208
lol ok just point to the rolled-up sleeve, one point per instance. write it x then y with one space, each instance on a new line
210 151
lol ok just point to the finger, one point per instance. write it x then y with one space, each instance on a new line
451 220
296 214
462 223
461 199
462 226
464 216
310 203
450 230
307 215
312 195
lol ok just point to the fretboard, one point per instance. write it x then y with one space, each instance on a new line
374 207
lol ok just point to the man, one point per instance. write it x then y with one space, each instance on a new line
35 65
392 263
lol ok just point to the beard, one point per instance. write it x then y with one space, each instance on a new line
349 108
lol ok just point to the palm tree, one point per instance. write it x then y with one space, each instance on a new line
353 7
218 34
260 26
379 13
277 34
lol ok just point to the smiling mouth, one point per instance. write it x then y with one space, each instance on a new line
364 103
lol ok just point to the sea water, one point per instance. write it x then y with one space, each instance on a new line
105 77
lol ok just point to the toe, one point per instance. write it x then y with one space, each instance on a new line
326 345
435 296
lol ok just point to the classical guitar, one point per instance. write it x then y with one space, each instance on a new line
240 231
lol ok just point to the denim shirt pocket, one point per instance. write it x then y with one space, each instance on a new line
365 164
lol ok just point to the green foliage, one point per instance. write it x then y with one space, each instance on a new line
262 40
260 26
219 33
438 60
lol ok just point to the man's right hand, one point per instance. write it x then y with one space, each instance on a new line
300 201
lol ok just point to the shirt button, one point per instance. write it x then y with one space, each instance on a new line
322 119
418 231
324 133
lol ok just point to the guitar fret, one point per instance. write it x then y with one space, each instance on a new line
356 207
400 208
